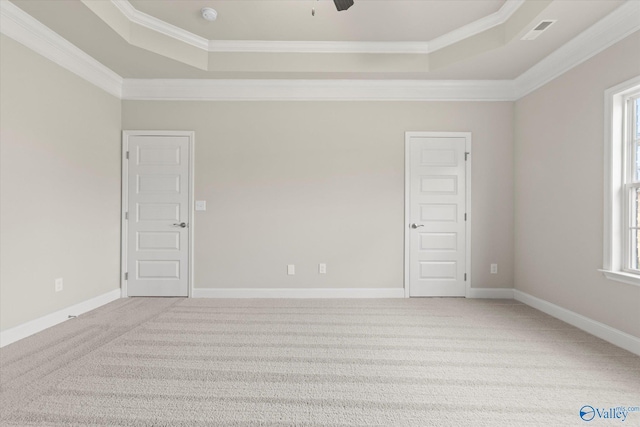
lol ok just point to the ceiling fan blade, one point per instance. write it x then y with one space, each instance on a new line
343 4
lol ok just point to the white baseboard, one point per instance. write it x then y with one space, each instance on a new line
298 293
34 326
490 293
600 330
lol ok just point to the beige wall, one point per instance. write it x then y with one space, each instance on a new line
309 182
559 191
303 183
60 187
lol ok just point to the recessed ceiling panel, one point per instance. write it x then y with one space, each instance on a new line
291 20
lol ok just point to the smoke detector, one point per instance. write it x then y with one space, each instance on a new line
538 29
209 14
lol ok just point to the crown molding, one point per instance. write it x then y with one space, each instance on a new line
277 46
23 28
317 90
266 46
18 25
500 17
619 24
155 24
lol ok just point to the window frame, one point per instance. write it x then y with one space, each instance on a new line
619 158
631 182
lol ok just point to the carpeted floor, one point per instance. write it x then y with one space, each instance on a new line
400 362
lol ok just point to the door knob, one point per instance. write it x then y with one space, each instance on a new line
414 225
182 225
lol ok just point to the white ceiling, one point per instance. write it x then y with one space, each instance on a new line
495 53
372 20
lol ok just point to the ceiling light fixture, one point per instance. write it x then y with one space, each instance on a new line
209 14
343 4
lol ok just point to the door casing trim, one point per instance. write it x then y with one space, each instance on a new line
125 202
407 181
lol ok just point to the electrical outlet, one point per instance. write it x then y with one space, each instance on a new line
59 285
291 269
494 268
322 268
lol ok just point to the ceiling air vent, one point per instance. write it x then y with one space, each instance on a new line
539 29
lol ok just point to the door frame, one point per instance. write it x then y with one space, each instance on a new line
407 187
125 202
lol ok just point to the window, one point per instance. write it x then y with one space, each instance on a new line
621 255
631 139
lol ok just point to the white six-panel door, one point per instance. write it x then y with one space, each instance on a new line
157 214
436 214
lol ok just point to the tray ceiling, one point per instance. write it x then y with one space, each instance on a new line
374 39
372 20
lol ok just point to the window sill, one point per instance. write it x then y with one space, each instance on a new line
622 276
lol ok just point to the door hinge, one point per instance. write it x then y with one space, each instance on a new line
126 215
126 276
127 155
465 277
466 156
465 217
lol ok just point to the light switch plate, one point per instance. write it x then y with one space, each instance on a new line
291 269
201 205
322 268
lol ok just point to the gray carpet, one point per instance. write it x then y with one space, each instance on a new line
417 362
